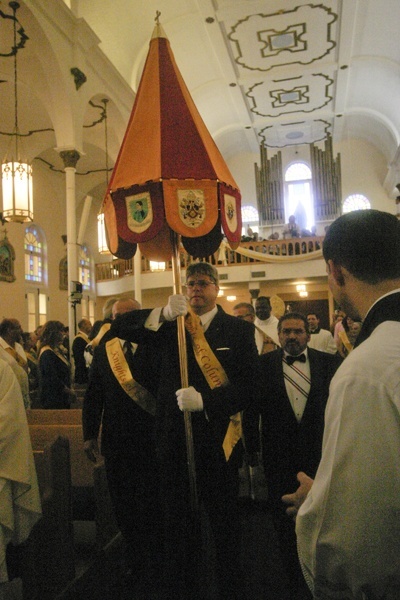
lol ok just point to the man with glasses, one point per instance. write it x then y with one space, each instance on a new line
292 394
222 366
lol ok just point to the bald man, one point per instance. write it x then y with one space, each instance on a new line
117 399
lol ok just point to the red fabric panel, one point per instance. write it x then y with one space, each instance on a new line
231 214
151 198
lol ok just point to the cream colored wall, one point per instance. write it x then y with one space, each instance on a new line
364 170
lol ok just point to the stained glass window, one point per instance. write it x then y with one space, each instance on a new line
33 247
84 268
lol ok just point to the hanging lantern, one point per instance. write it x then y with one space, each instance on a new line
17 191
16 174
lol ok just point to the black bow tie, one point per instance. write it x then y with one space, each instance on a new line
291 359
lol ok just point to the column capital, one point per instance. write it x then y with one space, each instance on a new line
254 294
70 158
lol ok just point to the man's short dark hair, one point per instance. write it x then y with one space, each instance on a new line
366 243
312 312
264 299
293 315
202 268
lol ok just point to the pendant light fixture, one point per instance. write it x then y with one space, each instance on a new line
16 173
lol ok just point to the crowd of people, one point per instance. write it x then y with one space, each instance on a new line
318 409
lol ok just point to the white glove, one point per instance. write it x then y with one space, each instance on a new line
189 399
176 307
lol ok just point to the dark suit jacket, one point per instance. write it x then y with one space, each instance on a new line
288 446
232 341
106 402
386 309
81 371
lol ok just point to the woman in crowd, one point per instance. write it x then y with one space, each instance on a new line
54 368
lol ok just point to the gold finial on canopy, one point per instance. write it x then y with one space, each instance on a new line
158 31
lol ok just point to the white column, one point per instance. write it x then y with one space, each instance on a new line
70 158
137 270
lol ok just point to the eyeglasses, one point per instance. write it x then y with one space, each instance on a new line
201 283
244 316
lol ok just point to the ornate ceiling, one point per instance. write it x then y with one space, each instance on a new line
278 72
275 72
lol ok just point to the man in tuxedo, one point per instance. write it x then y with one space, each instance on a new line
117 399
348 526
292 393
222 363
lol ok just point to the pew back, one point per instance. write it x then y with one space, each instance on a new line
48 561
47 424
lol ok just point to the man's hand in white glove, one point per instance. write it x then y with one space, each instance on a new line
176 307
189 399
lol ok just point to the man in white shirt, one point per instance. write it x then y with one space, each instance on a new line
320 339
347 525
293 388
266 321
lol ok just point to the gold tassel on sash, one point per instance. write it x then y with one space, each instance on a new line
122 373
215 375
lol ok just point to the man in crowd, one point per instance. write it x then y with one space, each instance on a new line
348 526
12 351
79 344
222 363
10 340
292 393
19 493
320 339
266 321
245 311
116 399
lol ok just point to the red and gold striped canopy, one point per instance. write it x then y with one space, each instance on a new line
169 173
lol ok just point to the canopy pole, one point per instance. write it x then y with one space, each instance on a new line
177 286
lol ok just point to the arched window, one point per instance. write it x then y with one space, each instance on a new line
298 195
355 202
249 218
35 272
34 254
84 268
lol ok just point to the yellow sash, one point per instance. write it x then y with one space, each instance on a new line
122 373
22 363
215 375
103 329
268 343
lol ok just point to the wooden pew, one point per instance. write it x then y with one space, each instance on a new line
100 574
47 561
44 426
103 577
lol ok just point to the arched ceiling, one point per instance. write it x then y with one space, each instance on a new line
277 72
281 73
